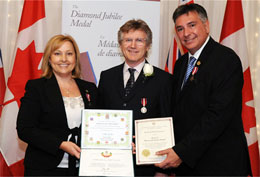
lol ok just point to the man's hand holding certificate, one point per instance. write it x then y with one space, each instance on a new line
153 135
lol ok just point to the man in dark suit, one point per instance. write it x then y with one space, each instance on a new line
146 90
207 103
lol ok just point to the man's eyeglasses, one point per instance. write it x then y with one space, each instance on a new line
138 41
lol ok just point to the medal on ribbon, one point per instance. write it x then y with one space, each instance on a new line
88 97
194 71
143 102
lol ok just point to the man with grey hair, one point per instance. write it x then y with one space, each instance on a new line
207 103
135 84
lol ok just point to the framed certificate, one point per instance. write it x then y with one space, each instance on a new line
152 135
106 139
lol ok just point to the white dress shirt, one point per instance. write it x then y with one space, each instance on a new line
138 70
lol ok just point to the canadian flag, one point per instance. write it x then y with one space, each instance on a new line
2 83
175 50
27 61
233 36
181 2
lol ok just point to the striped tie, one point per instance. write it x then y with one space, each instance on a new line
189 69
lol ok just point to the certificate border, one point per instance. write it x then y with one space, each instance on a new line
87 172
88 112
138 161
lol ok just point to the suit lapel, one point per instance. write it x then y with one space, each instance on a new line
139 84
182 73
85 94
55 98
119 80
202 60
205 54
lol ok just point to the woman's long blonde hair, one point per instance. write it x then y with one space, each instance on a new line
53 44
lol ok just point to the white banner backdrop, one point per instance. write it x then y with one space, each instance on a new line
94 26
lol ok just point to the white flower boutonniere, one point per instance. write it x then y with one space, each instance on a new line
148 69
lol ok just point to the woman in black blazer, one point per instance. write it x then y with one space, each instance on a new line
49 118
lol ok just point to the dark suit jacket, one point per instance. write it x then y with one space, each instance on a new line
42 121
207 114
157 89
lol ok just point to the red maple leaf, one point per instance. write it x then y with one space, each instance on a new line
248 113
25 68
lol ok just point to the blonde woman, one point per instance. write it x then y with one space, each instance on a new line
50 114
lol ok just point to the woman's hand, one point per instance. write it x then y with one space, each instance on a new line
71 148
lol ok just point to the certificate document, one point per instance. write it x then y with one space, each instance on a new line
152 135
109 162
106 138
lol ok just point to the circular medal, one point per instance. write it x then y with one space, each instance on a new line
143 110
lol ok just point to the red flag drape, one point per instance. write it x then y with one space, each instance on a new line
28 54
233 36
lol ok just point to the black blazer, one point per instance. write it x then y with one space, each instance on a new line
42 121
157 89
207 114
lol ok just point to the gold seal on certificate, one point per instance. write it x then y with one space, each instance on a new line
146 153
152 135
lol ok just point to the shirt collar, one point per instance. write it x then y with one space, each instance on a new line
138 68
198 52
